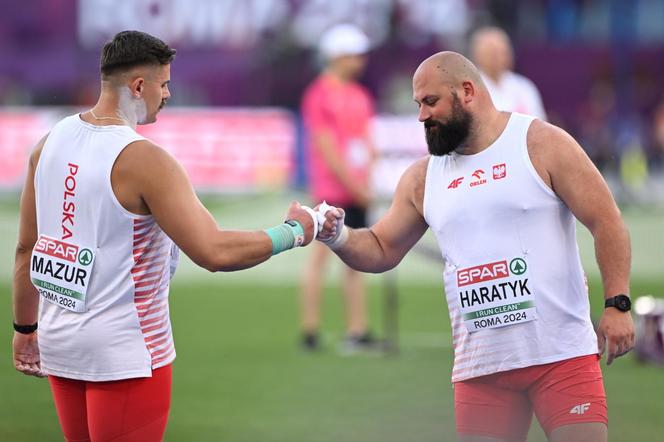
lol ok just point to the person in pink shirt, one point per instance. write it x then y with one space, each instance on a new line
337 113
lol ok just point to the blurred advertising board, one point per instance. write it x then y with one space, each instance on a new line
229 150
20 130
249 24
222 150
400 142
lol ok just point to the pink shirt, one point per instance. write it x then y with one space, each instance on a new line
343 110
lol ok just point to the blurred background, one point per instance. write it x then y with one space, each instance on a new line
234 122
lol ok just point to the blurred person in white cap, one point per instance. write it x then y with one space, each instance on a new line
492 53
337 112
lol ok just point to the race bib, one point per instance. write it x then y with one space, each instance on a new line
495 294
61 272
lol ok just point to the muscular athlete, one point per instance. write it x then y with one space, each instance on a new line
100 212
501 192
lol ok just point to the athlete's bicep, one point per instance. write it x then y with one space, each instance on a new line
576 180
403 225
170 197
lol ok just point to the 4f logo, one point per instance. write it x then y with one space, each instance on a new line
499 171
455 183
580 409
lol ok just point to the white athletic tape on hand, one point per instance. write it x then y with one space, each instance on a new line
314 216
321 212
341 236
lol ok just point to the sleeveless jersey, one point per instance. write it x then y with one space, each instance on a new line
513 279
114 325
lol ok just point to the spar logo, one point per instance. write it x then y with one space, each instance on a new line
490 271
481 273
478 174
518 266
57 249
455 183
85 257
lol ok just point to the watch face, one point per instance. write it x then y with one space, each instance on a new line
623 303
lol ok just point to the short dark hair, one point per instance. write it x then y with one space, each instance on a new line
130 49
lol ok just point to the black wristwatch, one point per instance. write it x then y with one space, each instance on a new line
621 302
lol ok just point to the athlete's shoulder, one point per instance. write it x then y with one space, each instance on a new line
412 182
144 146
418 169
544 135
552 150
145 157
36 152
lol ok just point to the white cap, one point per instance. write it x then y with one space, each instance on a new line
344 39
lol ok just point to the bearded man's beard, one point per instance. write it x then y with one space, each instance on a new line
445 138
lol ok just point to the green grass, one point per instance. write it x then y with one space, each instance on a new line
239 375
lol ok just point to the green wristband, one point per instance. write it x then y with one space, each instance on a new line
285 236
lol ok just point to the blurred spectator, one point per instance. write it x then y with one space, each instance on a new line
13 92
595 133
337 112
657 150
491 51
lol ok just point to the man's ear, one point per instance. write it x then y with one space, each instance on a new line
136 87
468 91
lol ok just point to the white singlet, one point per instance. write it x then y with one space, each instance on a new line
513 279
515 93
114 325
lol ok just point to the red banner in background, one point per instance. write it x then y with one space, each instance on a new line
229 151
19 133
221 150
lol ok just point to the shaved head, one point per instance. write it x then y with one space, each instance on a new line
451 68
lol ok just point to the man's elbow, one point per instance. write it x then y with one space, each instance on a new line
216 262
209 263
23 248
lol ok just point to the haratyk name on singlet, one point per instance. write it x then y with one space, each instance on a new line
497 292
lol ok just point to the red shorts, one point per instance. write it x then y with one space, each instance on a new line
501 405
130 410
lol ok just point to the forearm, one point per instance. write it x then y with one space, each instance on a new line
613 254
24 294
233 250
364 252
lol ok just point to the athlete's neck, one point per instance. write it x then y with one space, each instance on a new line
117 106
484 132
